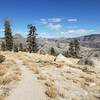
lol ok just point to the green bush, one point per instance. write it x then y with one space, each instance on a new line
67 54
2 58
15 48
53 52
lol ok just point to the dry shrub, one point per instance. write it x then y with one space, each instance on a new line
35 70
49 83
5 76
2 72
15 76
5 80
42 77
2 58
51 92
88 79
60 65
1 80
1 97
78 80
61 93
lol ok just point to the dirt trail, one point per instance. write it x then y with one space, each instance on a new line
28 88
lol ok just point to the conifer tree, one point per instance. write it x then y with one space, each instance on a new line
21 47
52 51
74 48
8 35
15 48
3 47
77 47
71 49
31 39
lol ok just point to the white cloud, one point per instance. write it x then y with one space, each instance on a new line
55 27
80 31
52 20
76 32
72 20
55 20
43 21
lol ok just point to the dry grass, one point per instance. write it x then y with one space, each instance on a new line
51 92
9 72
2 72
88 78
59 65
49 72
49 83
1 97
42 77
35 70
5 80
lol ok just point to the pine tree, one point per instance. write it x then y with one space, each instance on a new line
52 51
8 35
71 49
31 39
15 48
74 48
3 47
77 47
21 47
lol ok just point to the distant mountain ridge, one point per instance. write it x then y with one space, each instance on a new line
90 41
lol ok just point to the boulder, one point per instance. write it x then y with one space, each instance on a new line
61 58
86 61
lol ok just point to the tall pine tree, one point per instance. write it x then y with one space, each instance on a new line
74 48
31 39
15 48
8 35
71 49
77 47
20 47
3 48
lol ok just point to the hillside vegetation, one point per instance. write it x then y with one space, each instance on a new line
9 75
61 77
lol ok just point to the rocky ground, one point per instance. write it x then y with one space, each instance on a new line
60 78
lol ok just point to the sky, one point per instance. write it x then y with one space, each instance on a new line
52 18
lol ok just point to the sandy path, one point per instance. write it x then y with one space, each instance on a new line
28 88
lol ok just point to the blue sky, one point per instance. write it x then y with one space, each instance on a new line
52 18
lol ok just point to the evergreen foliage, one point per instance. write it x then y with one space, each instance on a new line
31 39
3 47
8 35
21 47
15 48
71 49
52 51
77 47
74 48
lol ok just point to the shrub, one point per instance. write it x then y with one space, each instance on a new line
1 97
2 58
51 92
3 46
15 48
66 54
41 77
53 52
5 80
